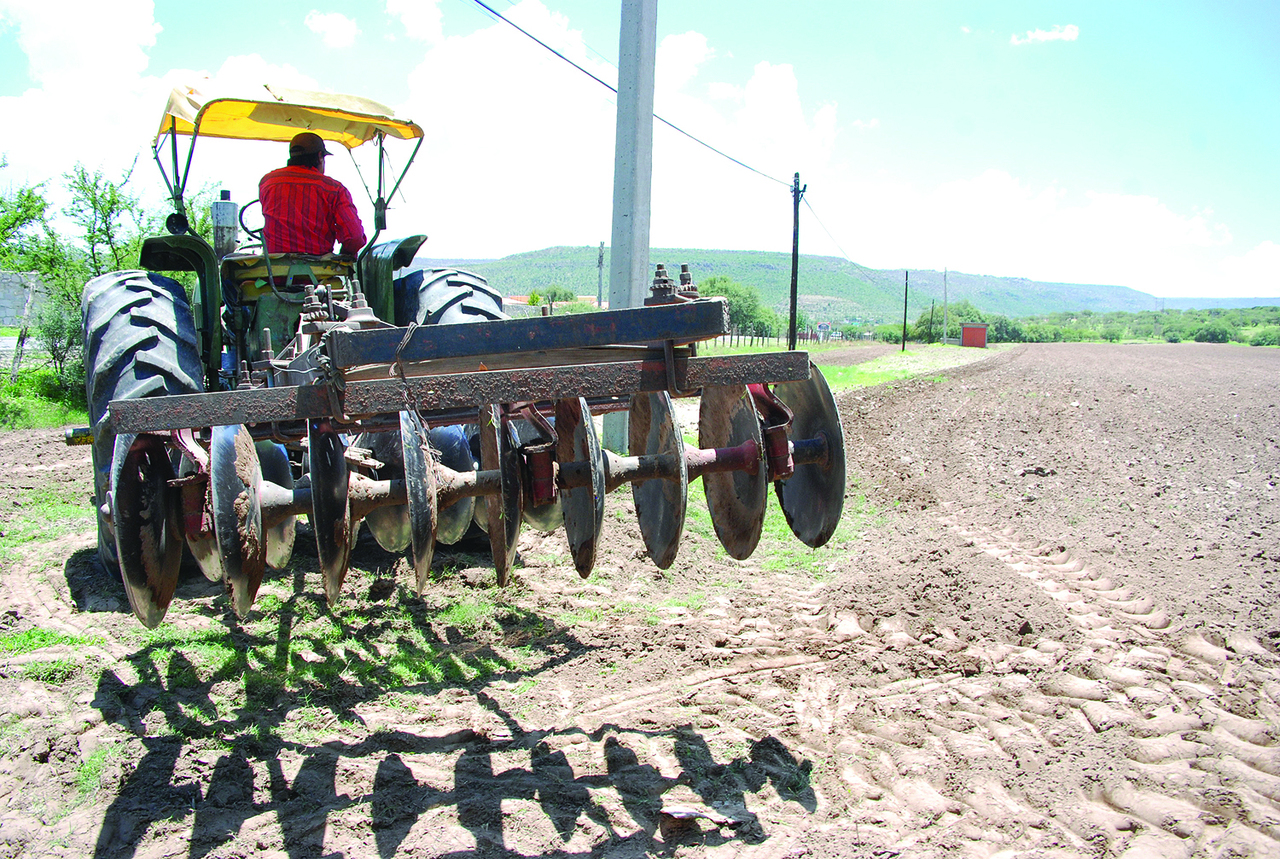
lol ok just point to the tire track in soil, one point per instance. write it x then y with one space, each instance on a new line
1200 773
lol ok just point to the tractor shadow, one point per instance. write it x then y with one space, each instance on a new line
242 726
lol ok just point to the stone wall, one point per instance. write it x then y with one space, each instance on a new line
13 296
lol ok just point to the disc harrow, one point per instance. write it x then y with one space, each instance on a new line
425 432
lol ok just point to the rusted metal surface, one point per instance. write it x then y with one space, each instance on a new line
432 393
688 323
148 524
776 419
583 504
503 509
737 487
660 503
420 494
812 498
235 479
331 518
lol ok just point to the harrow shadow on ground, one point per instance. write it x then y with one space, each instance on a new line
252 748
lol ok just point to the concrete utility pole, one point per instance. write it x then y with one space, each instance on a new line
632 173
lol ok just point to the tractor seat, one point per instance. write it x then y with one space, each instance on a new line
254 274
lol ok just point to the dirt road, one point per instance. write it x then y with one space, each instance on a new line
1047 627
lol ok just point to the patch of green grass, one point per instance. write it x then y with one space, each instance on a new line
47 512
915 361
783 552
467 615
38 400
693 602
697 518
89 772
57 671
37 638
590 614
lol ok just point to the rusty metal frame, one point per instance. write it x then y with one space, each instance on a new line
458 390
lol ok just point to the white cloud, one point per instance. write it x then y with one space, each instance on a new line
678 60
996 224
89 58
73 42
1256 272
422 19
1059 33
519 156
965 30
334 28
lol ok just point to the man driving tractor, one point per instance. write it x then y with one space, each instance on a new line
306 211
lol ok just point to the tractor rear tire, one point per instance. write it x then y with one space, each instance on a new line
447 296
444 296
139 341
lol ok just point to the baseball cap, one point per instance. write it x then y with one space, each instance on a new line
307 143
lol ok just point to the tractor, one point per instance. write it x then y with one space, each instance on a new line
373 389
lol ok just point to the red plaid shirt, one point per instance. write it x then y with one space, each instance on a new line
306 212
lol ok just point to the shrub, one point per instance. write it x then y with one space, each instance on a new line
1269 336
1214 332
1112 333
889 333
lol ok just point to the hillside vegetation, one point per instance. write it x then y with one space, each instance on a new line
831 289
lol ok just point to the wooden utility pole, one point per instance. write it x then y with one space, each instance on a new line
22 334
944 307
632 173
906 279
796 193
600 279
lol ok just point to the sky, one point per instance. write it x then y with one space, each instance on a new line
1120 143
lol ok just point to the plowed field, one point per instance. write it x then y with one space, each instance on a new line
1047 626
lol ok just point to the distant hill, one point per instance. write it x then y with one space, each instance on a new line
830 288
1206 303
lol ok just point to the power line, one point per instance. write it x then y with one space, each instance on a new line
614 90
867 273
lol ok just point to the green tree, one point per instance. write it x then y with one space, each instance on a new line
1269 336
889 333
110 219
1214 332
555 293
22 212
744 301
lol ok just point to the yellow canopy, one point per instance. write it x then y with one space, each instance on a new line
281 113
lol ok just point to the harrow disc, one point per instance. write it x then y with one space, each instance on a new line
275 466
390 524
454 452
203 549
583 506
420 487
330 507
735 499
813 497
147 516
235 484
660 502
503 511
